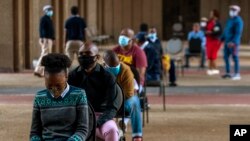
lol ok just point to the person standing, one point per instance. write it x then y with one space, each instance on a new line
75 33
213 32
231 37
47 35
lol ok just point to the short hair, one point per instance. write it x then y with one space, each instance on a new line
144 27
110 55
216 13
74 10
55 62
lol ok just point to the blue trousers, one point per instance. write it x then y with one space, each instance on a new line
132 105
203 57
234 52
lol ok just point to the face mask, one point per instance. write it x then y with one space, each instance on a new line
203 24
232 13
152 36
123 41
86 61
114 70
49 13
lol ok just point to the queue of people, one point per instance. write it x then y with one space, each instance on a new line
61 110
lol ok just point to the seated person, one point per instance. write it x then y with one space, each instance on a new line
60 112
130 54
156 43
99 85
125 79
194 35
153 71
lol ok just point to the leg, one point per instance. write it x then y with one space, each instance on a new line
108 131
132 105
46 48
226 59
69 50
172 75
187 57
236 61
203 57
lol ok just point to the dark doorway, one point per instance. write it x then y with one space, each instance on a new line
174 10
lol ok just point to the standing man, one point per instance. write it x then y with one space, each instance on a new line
75 33
47 36
232 36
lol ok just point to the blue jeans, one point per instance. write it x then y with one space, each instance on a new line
235 56
132 105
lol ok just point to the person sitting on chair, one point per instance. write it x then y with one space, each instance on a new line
197 42
125 79
100 87
60 112
153 71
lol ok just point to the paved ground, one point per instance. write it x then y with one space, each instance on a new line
201 108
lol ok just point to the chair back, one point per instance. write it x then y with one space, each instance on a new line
174 46
92 124
195 45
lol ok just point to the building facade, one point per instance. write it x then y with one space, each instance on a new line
20 21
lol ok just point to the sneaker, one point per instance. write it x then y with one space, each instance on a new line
236 77
226 76
122 124
216 71
137 138
210 72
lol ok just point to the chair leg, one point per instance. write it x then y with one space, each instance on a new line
164 100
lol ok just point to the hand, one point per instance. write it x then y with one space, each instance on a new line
231 45
208 32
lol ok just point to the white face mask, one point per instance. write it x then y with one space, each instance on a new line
203 24
233 13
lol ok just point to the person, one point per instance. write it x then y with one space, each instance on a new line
156 43
75 33
231 38
196 33
213 32
153 71
47 36
143 30
203 24
130 54
125 79
60 112
99 85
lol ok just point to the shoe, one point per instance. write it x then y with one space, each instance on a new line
226 76
173 84
216 71
38 74
122 124
236 77
210 72
185 66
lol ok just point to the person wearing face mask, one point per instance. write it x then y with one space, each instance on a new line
231 38
132 55
125 79
60 112
47 36
99 85
213 33
203 24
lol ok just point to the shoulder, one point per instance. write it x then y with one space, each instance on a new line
79 94
41 93
116 49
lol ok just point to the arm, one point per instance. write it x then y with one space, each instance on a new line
81 131
238 31
217 30
36 124
141 64
189 36
203 39
111 108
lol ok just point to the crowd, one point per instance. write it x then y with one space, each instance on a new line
60 111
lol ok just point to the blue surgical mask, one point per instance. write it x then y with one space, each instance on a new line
49 13
152 36
123 41
114 70
233 13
